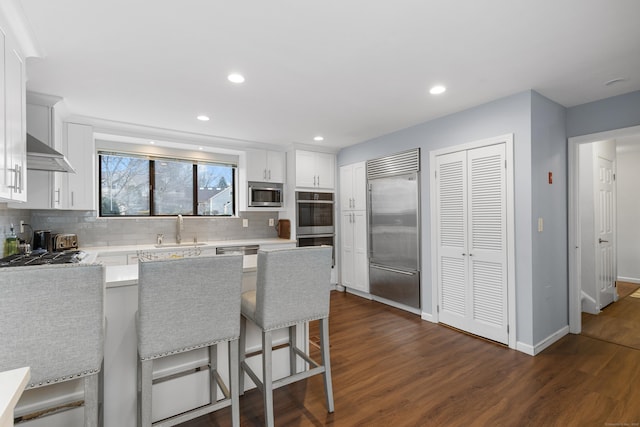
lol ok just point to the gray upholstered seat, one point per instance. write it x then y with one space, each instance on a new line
292 288
52 320
185 304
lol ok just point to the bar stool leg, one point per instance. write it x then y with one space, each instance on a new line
213 368
91 400
326 362
292 345
242 354
267 380
234 379
146 386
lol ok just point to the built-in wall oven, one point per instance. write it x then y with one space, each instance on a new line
315 224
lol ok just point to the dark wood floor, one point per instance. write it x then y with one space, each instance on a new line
390 368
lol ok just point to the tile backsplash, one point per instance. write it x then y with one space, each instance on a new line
93 231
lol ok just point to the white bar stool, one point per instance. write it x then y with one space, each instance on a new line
52 320
292 288
185 304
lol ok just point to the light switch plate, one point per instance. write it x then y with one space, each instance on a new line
245 222
540 225
270 222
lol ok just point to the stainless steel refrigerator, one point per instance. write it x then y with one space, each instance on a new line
394 236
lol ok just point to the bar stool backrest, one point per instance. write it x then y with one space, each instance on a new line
52 320
292 286
187 303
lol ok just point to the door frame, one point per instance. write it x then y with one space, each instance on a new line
507 139
573 245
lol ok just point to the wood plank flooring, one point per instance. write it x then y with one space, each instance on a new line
390 368
618 322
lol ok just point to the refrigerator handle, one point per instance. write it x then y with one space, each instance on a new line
393 270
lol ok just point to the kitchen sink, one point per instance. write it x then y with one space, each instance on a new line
181 245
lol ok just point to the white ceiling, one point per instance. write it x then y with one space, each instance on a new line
348 70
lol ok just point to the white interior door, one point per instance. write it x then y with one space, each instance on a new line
605 215
451 200
472 241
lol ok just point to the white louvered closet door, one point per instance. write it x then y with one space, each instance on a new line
472 239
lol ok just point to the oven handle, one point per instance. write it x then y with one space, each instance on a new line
325 202
304 236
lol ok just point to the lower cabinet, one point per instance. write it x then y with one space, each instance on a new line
354 251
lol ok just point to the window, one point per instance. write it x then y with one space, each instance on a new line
142 186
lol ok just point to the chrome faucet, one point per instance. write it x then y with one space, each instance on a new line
179 228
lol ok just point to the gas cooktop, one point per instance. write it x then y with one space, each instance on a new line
43 258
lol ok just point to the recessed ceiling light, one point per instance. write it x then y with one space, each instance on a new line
203 118
236 78
318 138
437 90
152 142
200 148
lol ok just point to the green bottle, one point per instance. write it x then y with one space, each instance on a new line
11 243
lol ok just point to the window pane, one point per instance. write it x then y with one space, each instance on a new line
173 192
215 190
124 186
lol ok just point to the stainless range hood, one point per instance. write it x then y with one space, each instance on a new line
44 158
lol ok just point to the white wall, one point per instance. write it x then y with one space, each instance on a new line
628 209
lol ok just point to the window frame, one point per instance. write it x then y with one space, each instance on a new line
151 188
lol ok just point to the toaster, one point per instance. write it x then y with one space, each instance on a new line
63 242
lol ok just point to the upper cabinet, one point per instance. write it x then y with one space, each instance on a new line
353 187
315 170
81 153
266 166
13 145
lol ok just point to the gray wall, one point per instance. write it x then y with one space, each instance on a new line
507 115
549 202
617 112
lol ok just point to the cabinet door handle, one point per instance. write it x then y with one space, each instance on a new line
314 180
269 174
264 174
18 178
318 180
72 202
58 196
602 241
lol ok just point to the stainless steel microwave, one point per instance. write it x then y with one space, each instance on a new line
265 195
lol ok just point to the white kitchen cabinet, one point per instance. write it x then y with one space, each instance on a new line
353 187
315 170
13 170
354 250
266 166
79 193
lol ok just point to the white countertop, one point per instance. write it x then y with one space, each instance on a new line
12 384
121 275
127 275
116 250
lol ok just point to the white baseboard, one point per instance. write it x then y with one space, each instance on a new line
525 348
428 317
551 339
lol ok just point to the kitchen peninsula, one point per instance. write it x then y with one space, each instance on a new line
120 350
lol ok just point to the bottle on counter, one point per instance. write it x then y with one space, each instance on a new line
11 243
